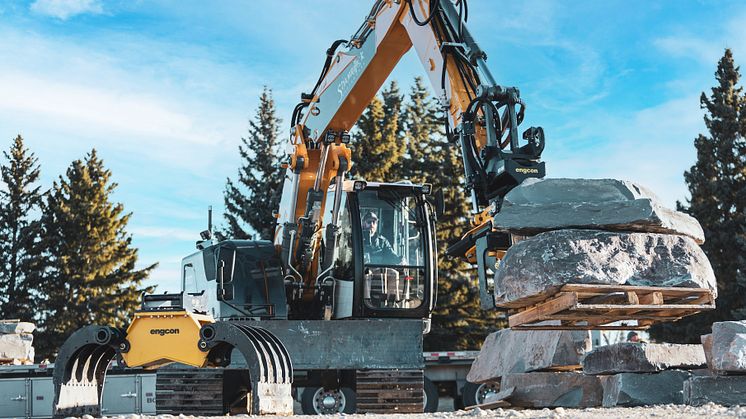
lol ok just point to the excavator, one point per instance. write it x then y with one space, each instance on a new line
344 290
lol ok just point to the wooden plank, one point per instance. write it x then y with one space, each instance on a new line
601 307
653 298
564 301
563 368
602 327
600 288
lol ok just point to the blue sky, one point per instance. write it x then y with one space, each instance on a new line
163 89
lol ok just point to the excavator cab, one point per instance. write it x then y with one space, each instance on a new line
381 252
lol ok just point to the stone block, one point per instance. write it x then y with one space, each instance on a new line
642 357
722 390
628 389
543 263
729 347
514 351
707 346
554 389
16 346
539 205
7 327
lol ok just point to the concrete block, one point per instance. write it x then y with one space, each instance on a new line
17 346
16 327
543 263
628 389
729 347
514 351
722 390
539 205
642 357
554 389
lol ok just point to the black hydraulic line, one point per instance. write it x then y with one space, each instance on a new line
414 15
327 64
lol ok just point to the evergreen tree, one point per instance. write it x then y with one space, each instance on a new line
379 145
92 277
458 321
717 183
251 200
20 259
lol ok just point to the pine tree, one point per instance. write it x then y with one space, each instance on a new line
20 259
458 321
251 200
92 277
379 144
717 183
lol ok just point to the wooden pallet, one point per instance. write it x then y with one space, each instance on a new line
600 307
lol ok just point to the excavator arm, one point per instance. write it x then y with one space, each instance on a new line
482 116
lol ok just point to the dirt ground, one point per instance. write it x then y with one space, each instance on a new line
666 411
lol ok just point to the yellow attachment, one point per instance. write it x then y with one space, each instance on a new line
157 338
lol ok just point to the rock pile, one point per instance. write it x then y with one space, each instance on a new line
619 375
642 374
725 350
595 231
16 342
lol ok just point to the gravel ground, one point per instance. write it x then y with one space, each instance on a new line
666 411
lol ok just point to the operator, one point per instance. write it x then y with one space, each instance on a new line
376 248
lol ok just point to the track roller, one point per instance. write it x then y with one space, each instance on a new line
270 368
80 369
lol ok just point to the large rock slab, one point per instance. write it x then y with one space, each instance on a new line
628 389
554 389
514 351
7 327
642 357
17 346
543 263
729 347
722 390
538 205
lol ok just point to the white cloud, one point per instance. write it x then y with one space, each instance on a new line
65 9
653 147
706 48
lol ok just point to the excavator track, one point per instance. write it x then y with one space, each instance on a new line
195 391
390 391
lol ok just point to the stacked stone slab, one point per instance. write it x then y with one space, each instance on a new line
595 231
518 351
522 358
16 342
641 374
725 349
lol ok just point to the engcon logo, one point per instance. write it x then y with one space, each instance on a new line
164 332
526 170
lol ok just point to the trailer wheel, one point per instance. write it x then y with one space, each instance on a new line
321 401
474 394
431 396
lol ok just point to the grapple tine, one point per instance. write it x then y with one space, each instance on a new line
80 369
269 365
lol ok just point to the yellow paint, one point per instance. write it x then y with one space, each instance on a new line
160 337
